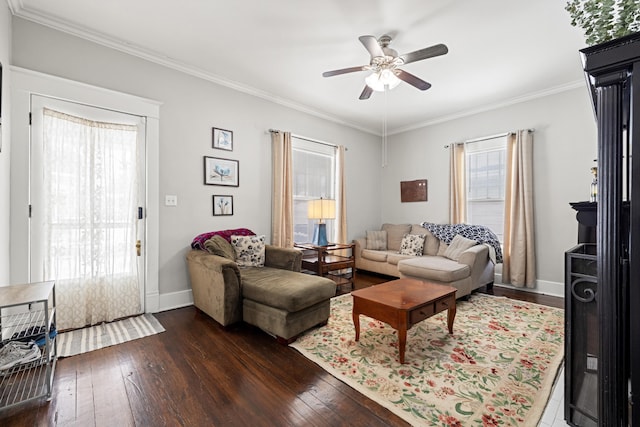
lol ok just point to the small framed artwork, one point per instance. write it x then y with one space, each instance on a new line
219 171
223 139
222 205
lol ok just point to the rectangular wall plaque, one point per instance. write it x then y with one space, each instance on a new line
413 191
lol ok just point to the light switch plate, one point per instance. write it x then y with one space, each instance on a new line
170 200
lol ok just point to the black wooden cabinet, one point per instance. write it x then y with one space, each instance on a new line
613 73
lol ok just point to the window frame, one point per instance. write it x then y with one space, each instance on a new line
496 144
302 145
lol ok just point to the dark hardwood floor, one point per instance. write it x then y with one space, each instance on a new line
200 374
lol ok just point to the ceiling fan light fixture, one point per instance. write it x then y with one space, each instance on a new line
381 80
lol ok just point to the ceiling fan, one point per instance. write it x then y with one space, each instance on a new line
385 62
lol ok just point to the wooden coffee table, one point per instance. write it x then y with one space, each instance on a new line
402 303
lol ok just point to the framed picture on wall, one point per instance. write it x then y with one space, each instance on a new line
222 205
222 139
219 171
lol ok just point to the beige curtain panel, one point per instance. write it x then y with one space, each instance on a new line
457 185
282 202
519 265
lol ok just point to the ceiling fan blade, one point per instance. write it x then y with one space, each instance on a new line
372 45
427 52
412 80
366 92
343 71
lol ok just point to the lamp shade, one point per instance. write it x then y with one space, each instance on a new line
384 79
321 209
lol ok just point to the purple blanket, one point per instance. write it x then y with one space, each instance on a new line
198 241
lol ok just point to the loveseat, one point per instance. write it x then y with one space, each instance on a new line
275 297
463 264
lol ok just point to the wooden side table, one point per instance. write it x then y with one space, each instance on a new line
327 261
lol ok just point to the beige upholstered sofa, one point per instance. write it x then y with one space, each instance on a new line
465 270
276 297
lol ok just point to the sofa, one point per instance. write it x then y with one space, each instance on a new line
467 266
276 297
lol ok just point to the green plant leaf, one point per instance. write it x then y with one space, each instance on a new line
603 20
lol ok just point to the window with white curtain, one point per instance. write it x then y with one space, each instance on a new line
485 171
314 176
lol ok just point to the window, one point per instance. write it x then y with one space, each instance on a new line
486 169
314 176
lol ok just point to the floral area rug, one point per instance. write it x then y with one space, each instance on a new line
496 369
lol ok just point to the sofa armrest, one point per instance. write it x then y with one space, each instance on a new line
216 286
283 258
477 252
482 268
360 244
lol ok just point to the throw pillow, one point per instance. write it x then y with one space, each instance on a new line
412 244
458 245
442 248
218 245
249 250
431 242
377 240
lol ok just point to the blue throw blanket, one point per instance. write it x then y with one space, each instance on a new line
479 233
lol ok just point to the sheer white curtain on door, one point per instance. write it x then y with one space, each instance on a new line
90 193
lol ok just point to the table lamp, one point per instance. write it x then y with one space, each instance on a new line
321 209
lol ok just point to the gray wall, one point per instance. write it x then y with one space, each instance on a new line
5 59
191 107
565 145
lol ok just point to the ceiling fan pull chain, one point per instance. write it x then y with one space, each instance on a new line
384 132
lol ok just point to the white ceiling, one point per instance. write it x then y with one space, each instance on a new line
500 51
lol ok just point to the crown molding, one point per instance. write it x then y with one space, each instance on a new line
489 107
17 9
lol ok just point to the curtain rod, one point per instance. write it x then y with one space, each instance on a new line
484 138
317 141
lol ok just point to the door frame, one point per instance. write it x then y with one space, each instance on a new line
25 83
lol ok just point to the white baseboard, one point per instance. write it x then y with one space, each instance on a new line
151 302
544 287
172 300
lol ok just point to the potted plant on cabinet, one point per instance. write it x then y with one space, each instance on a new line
604 20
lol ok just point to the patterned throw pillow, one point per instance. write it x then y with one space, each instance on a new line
412 244
249 250
377 240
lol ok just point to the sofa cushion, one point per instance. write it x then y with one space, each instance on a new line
434 268
412 244
442 248
218 245
377 240
431 242
380 256
458 245
394 258
287 290
395 233
249 250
